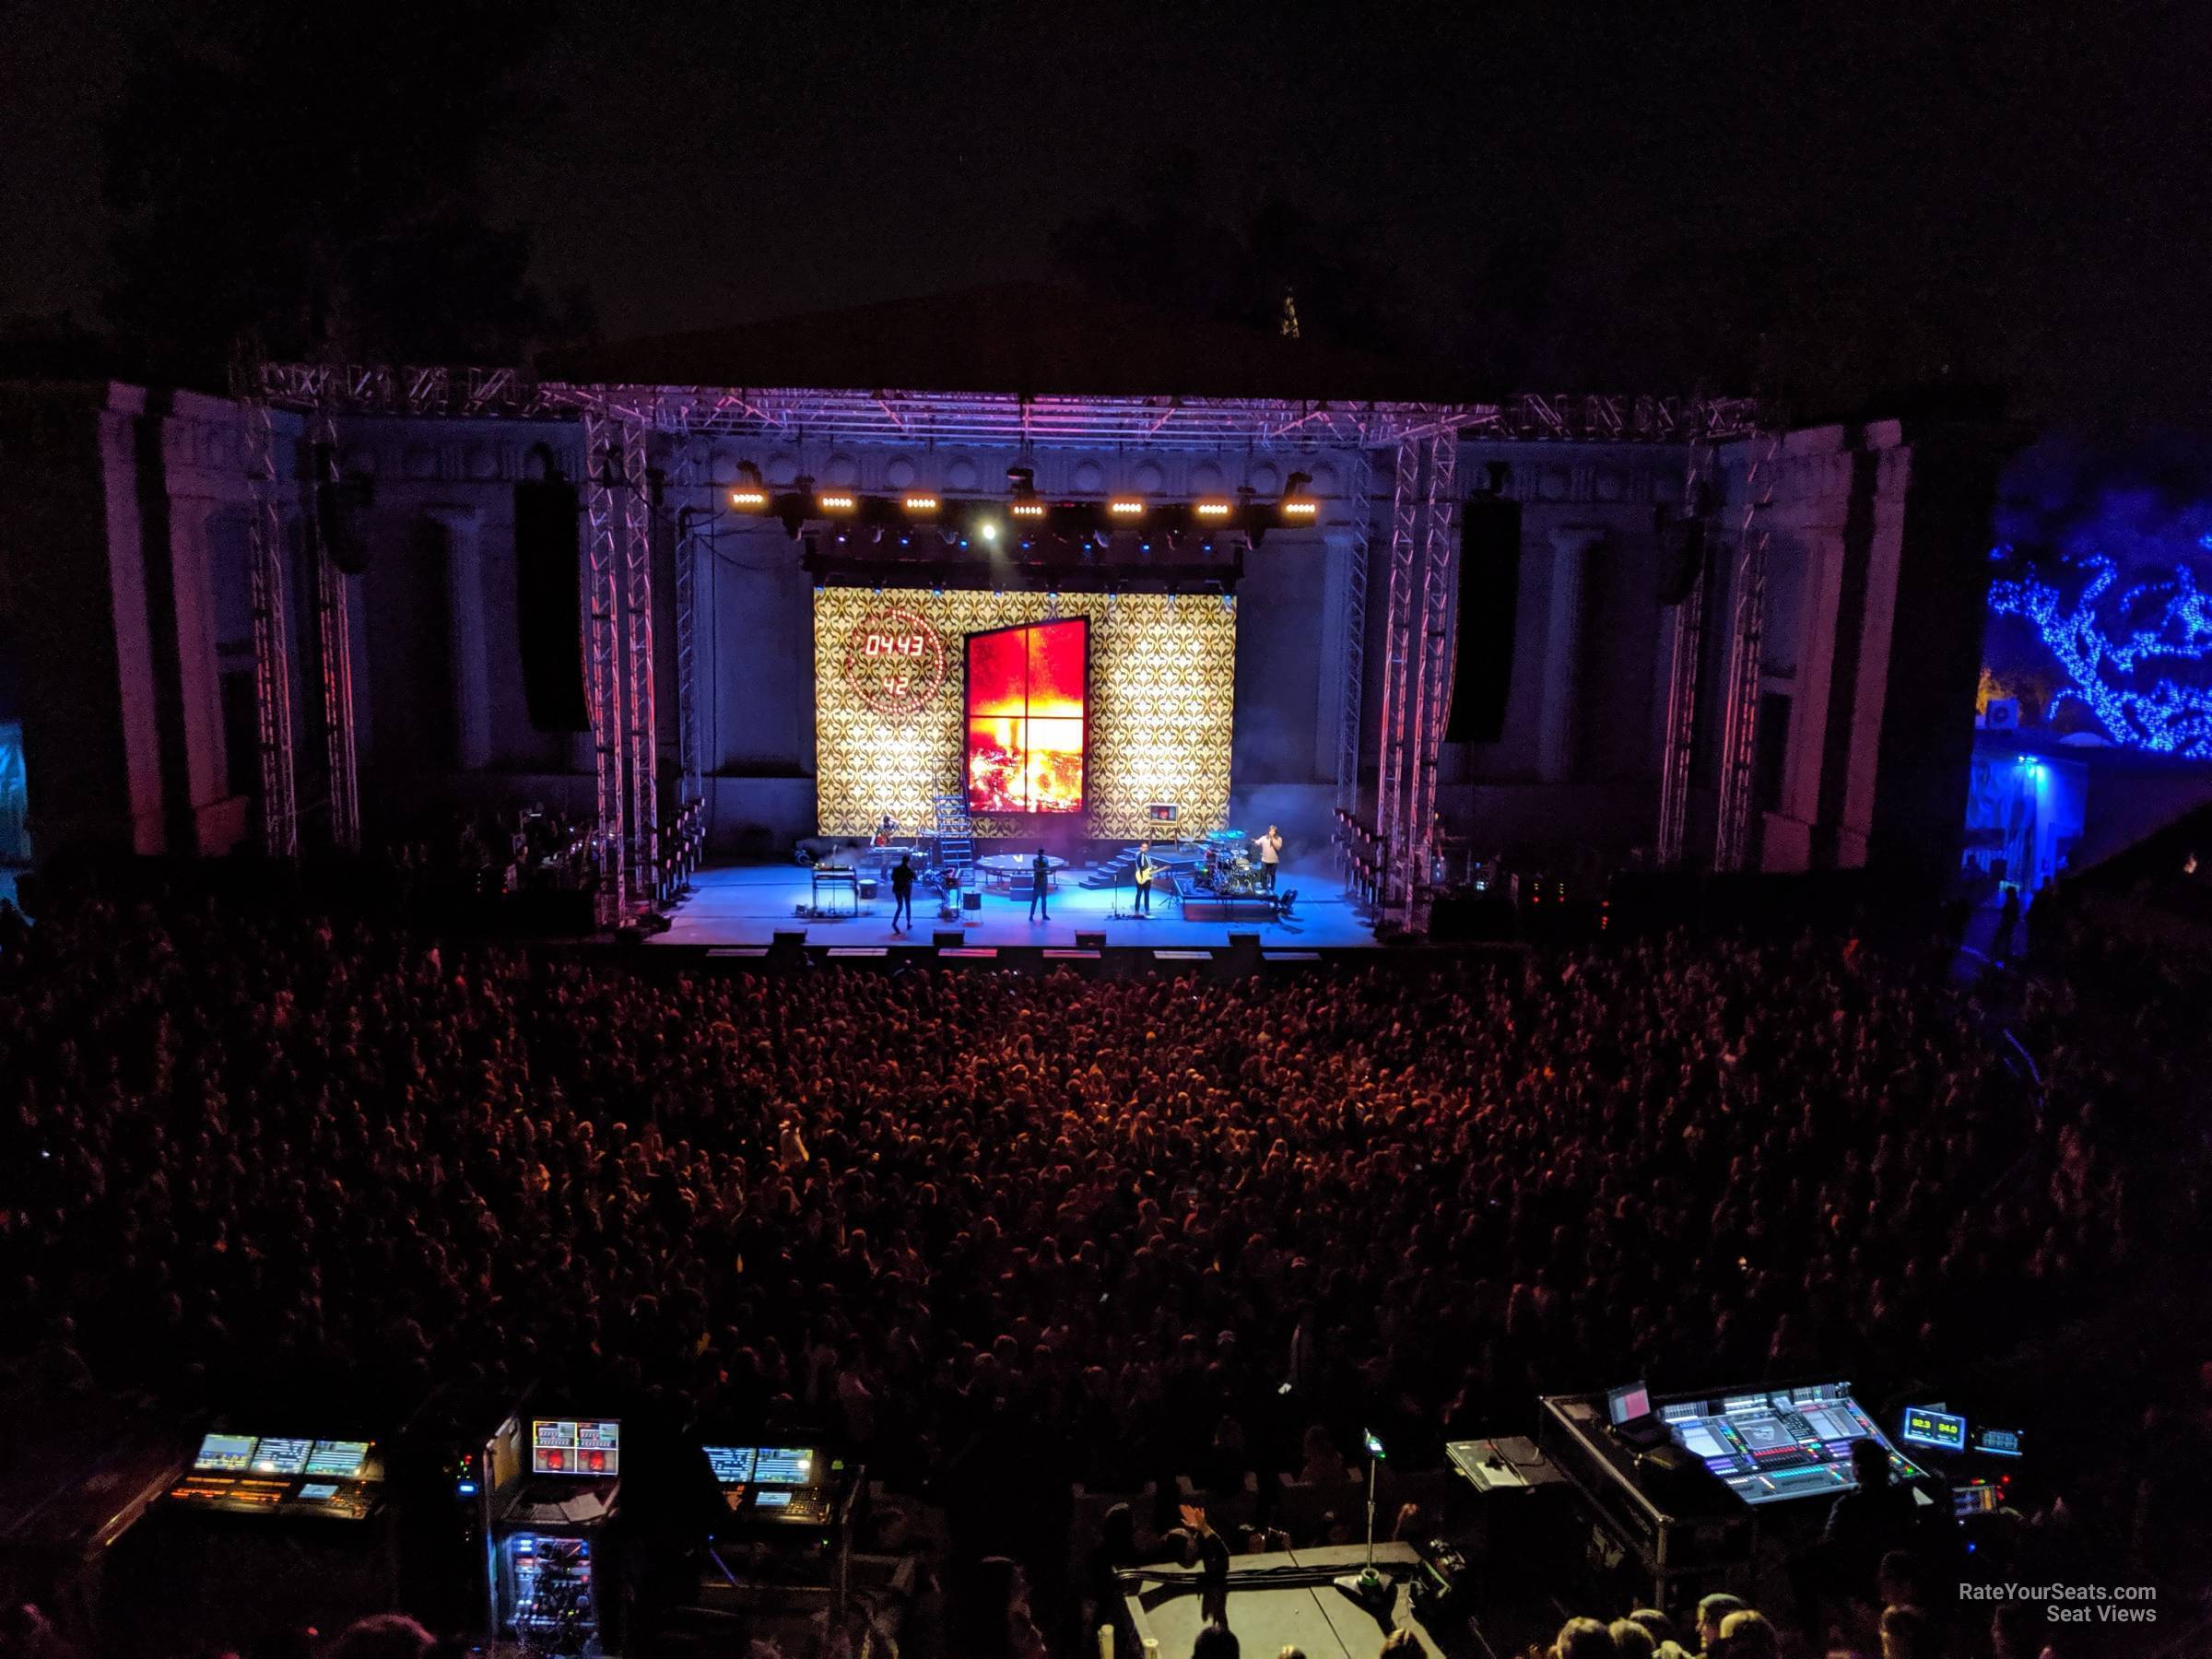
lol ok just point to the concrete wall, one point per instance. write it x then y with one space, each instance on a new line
122 595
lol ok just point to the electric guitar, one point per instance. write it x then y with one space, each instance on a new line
1145 870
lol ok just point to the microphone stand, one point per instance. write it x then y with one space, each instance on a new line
1366 1586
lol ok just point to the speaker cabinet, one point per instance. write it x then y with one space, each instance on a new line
1489 594
548 604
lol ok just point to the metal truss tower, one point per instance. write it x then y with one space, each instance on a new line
1355 633
334 652
1680 753
643 760
605 531
1739 730
693 514
1434 642
1417 642
272 643
1397 664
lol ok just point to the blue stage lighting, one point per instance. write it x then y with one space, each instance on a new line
2171 718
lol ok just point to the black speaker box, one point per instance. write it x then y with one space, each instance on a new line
1091 941
948 939
1489 594
548 604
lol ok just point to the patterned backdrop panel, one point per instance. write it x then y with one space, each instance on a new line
887 716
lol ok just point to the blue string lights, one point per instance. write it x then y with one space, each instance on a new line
2167 620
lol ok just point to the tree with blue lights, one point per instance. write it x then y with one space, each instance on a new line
2163 621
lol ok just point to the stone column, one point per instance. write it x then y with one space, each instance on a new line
1571 545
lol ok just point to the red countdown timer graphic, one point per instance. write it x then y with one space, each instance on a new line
895 662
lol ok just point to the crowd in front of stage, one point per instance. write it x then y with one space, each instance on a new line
1006 1233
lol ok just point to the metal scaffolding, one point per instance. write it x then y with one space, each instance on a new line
925 418
272 637
1349 734
1432 641
1679 753
691 518
605 534
1739 728
643 821
334 652
1398 667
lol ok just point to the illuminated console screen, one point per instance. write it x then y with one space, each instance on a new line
280 1456
733 1465
226 1453
576 1446
339 1460
784 1467
1925 1426
1026 716
1770 1447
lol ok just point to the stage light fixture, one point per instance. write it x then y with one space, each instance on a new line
1212 509
988 530
837 500
1297 506
1125 507
1021 493
751 493
920 506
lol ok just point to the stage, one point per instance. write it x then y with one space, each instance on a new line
747 905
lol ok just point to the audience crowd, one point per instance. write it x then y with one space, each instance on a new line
1000 1233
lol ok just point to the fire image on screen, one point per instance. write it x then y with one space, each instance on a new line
1025 717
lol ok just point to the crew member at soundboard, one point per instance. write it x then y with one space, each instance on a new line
1864 1524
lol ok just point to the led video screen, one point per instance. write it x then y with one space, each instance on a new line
1027 714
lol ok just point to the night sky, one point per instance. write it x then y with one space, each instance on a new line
2017 193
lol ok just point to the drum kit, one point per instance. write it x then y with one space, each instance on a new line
1229 871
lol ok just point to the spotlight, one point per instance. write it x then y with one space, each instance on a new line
837 500
751 494
988 530
920 506
1212 509
1126 507
1021 493
1297 506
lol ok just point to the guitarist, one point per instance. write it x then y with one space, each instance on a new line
1145 870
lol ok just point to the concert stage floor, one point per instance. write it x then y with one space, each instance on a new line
749 904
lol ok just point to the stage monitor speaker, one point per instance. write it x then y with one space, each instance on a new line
548 604
970 899
1489 594
1091 941
948 939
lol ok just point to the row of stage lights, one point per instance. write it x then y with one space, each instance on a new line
1073 522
